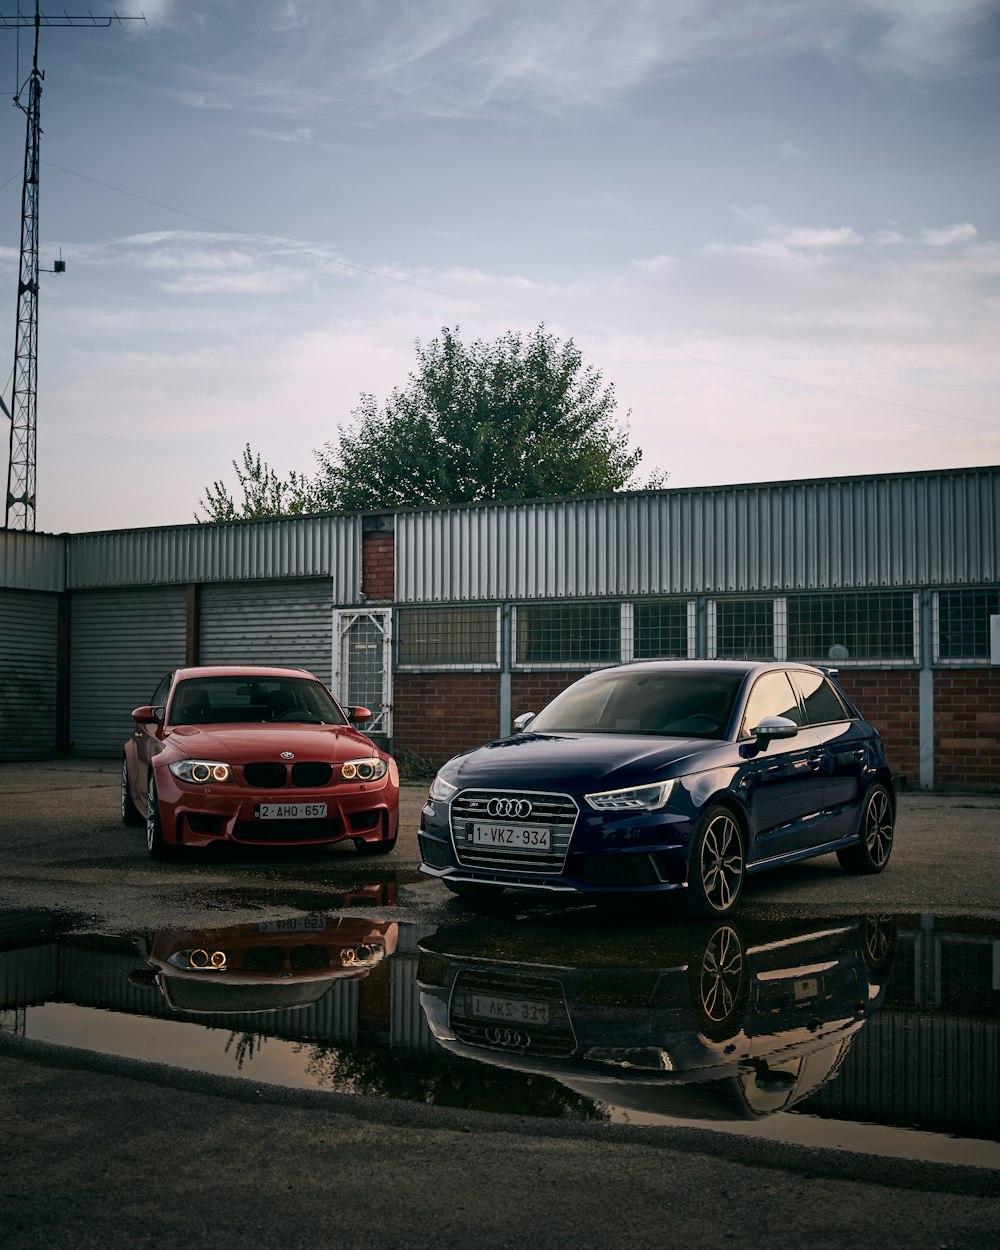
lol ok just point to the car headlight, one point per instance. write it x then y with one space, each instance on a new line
441 790
371 768
199 960
635 799
201 772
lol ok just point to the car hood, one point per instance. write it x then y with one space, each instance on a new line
243 744
571 761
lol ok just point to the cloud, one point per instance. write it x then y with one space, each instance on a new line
951 234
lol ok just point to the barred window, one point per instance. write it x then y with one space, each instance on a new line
851 626
465 637
962 622
661 630
577 634
743 629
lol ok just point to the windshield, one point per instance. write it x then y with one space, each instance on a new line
684 705
256 700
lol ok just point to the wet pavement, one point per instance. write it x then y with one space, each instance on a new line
875 1033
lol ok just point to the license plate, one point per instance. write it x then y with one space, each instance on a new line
289 811
522 837
521 1010
292 924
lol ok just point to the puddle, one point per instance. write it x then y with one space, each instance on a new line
874 1034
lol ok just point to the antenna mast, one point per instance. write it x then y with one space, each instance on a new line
21 468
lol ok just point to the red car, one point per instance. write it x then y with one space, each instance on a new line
256 756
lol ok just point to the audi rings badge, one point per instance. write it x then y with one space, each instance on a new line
509 809
512 1038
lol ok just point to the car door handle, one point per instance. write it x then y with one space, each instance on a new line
816 761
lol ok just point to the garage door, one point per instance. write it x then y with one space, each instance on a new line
28 651
285 623
122 642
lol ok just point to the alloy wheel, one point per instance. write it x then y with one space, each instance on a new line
722 863
721 974
878 827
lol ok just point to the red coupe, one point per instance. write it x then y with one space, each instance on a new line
257 756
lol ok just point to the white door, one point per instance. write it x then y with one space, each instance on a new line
362 664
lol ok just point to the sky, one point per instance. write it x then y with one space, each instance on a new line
772 225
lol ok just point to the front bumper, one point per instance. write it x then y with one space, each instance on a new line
201 816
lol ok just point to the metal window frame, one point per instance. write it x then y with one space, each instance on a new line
457 666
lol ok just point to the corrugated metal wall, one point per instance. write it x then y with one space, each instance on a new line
28 674
286 623
917 529
240 551
31 561
122 643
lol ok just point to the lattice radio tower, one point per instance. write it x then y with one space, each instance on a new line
21 469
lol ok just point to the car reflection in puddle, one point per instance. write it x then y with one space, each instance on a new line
742 1021
272 965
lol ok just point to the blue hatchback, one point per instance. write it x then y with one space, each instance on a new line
669 776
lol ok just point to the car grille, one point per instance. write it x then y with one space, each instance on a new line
433 852
556 812
287 830
507 1032
311 775
270 775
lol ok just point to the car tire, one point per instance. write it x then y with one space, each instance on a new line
131 815
717 867
871 854
720 984
481 890
155 844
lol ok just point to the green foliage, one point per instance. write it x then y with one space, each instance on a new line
518 418
264 493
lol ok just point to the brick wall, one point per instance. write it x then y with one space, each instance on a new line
890 699
967 726
378 566
531 691
439 714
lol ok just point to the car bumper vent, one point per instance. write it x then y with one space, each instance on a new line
634 869
433 852
288 830
311 775
555 812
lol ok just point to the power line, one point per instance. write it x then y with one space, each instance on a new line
513 312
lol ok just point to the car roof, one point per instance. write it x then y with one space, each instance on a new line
239 670
738 668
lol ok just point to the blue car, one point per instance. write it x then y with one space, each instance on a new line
676 777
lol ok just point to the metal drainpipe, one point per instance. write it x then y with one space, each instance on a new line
926 741
506 693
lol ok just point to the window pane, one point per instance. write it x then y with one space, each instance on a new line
744 629
877 626
964 622
772 695
823 704
570 633
661 631
446 636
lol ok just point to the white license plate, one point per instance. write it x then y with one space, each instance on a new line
289 811
521 1010
523 837
292 924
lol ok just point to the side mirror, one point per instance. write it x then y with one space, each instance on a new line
357 714
772 727
147 715
522 722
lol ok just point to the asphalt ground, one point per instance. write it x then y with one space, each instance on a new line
104 1152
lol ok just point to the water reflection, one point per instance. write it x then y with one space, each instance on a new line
733 1020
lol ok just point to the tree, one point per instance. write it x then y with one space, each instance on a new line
264 493
519 418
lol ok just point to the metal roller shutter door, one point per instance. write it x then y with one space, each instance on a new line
123 641
29 623
285 623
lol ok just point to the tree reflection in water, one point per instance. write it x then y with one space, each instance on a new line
247 1045
466 1084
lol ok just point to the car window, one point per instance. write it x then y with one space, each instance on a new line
690 705
159 698
822 703
252 700
772 695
